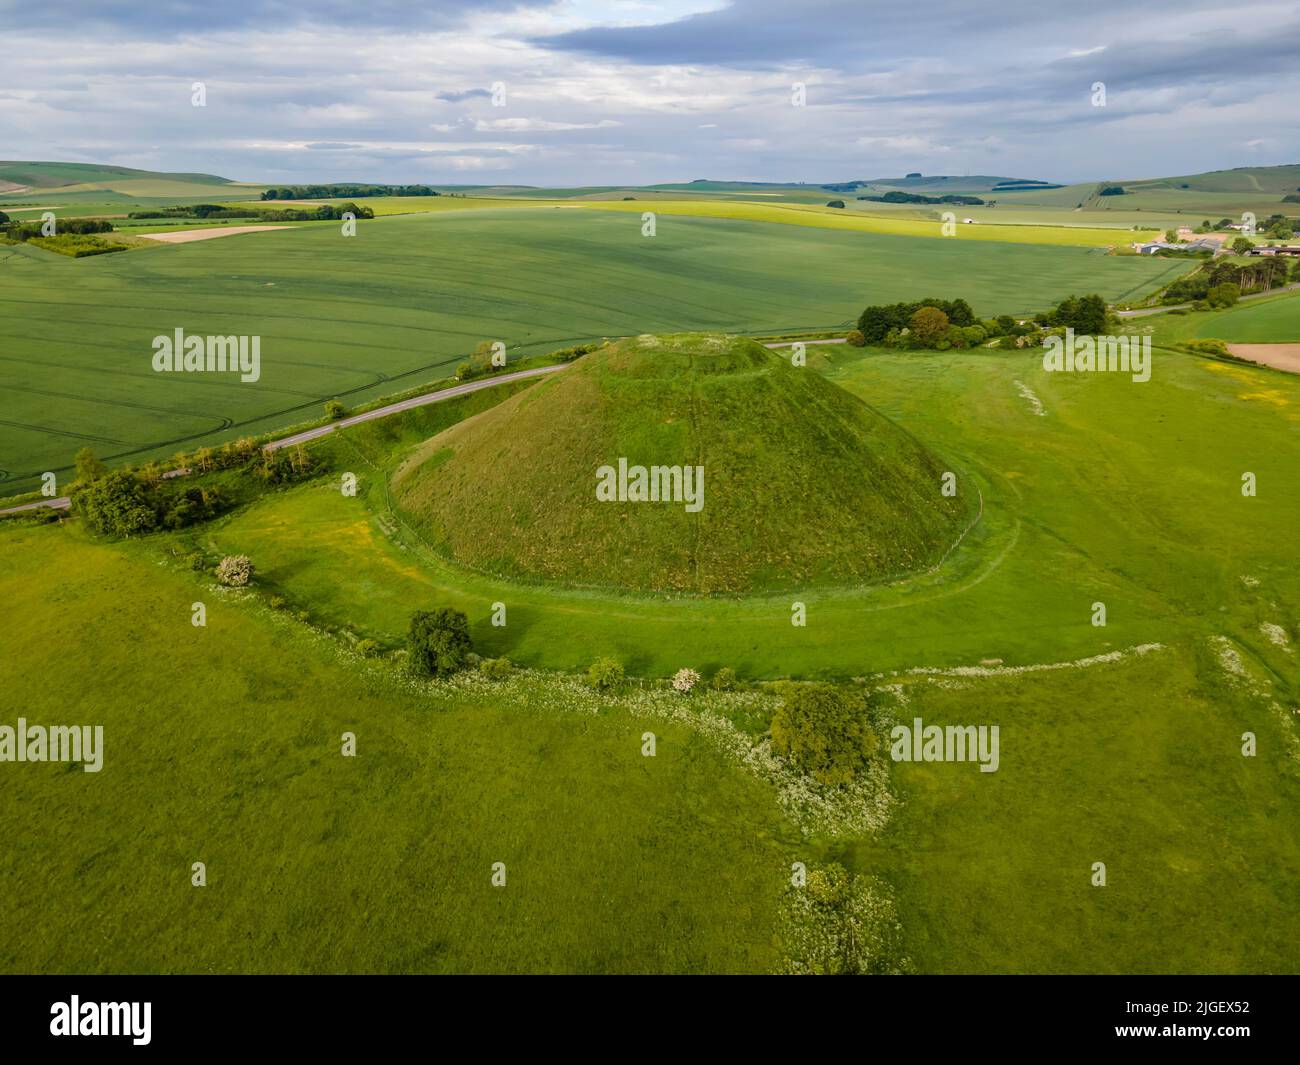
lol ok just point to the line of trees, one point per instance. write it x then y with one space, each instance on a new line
896 196
133 501
324 213
198 210
940 325
23 231
333 192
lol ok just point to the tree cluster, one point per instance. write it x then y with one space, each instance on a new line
825 730
132 502
322 213
334 192
23 231
1086 315
1258 274
896 196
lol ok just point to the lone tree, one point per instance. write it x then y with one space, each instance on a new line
89 468
438 642
115 505
825 731
929 325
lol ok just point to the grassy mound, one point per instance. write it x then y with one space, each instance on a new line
803 483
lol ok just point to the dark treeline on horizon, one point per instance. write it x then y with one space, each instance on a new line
329 192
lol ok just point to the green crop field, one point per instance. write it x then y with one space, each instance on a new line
805 209
406 299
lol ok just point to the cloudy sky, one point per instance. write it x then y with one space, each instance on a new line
642 91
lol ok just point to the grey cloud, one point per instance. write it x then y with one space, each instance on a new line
467 94
130 18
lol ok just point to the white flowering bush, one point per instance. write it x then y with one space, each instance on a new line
235 571
841 925
685 679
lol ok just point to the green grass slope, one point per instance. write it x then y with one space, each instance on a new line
804 484
1276 179
1275 320
40 175
222 745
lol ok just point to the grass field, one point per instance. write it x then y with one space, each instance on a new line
408 298
1266 321
222 747
1055 536
1136 764
224 740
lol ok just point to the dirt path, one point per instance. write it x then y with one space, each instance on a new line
185 236
1279 356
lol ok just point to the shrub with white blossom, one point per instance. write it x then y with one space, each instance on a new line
685 679
235 570
841 925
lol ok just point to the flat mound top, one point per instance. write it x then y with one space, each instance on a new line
694 463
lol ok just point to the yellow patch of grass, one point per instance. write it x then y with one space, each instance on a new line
835 218
1268 395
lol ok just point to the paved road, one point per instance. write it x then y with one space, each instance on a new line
1142 312
414 401
63 502
806 343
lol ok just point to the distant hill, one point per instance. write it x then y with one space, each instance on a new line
954 183
1242 186
62 183
1242 179
55 175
